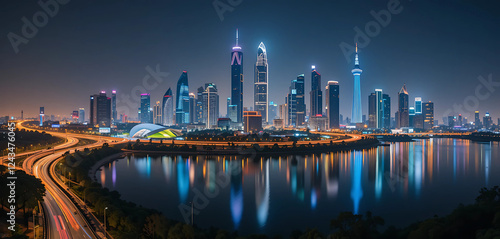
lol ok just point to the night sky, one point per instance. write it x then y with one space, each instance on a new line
438 48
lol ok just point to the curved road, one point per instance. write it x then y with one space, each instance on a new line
62 216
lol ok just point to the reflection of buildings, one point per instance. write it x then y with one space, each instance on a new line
166 162
182 179
379 174
297 180
356 171
262 194
143 166
315 181
332 171
211 175
236 193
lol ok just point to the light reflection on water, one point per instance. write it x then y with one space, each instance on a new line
402 183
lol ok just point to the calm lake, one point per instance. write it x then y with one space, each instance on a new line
402 183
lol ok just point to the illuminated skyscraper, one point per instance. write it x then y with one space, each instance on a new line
192 108
428 114
296 107
100 110
81 117
182 103
332 104
418 105
113 107
168 108
42 115
260 84
157 113
145 114
477 120
487 122
387 111
376 109
210 105
316 93
237 79
356 101
403 114
199 105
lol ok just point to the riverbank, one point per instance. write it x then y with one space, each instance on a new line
251 150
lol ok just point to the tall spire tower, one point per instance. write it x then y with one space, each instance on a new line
356 100
237 79
261 102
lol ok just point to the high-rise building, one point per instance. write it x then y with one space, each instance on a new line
332 104
451 120
356 101
272 111
168 108
372 111
376 108
387 111
316 93
403 114
157 114
487 122
100 110
210 105
283 112
227 106
477 120
428 114
81 114
113 107
296 107
145 114
192 108
233 113
418 105
261 84
199 105
42 115
411 115
74 116
182 103
237 79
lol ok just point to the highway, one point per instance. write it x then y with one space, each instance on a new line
63 218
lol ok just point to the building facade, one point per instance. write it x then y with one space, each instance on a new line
332 104
182 103
168 108
237 79
261 102
316 94
210 105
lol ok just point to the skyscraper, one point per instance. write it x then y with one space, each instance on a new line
356 101
260 84
145 113
100 110
428 114
81 117
272 111
168 108
316 93
192 108
487 122
199 105
42 115
387 111
332 104
157 113
418 105
296 107
182 103
477 120
113 107
403 117
372 111
210 105
237 79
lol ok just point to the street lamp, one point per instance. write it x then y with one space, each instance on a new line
105 231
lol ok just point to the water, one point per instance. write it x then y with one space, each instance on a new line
402 183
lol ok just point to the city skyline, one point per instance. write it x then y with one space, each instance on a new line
419 75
